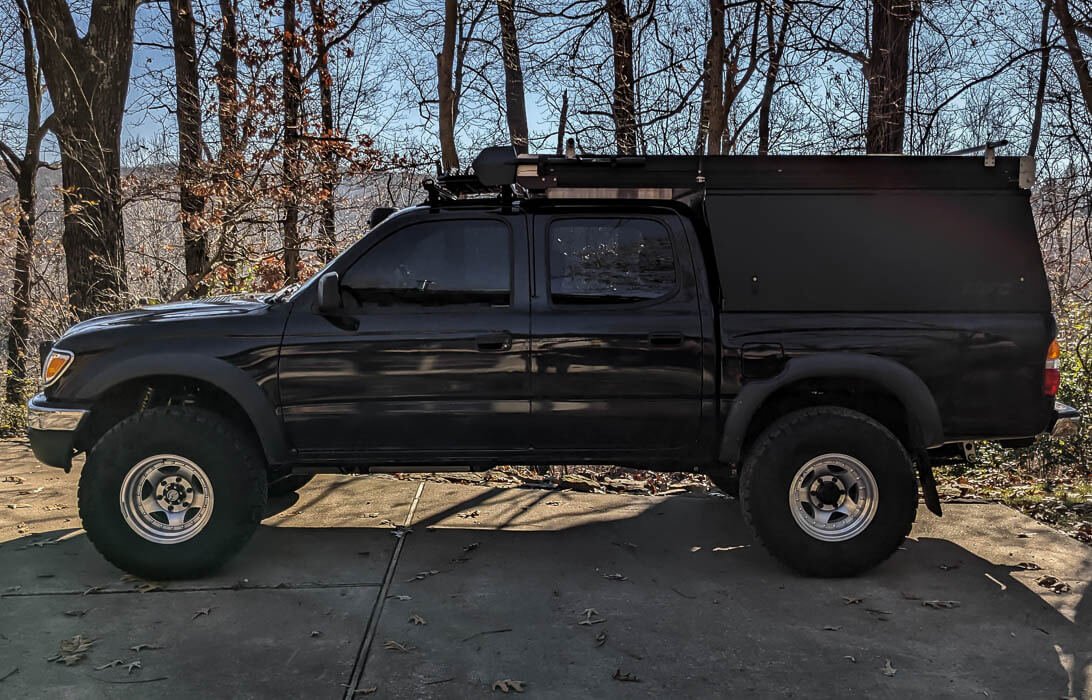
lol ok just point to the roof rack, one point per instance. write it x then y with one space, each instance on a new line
675 177
450 188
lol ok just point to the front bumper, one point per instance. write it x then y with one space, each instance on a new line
1066 421
52 430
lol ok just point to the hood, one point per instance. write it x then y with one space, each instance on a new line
198 309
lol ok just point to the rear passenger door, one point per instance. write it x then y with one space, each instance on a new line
616 350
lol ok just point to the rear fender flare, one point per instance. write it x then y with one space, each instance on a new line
924 417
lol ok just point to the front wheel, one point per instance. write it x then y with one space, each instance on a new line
829 491
172 492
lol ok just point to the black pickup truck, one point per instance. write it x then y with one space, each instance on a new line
810 331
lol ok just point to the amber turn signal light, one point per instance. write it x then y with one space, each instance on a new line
54 366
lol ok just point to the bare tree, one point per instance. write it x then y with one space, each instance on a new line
188 115
24 169
623 104
887 71
1070 28
88 80
446 93
515 106
725 77
292 85
775 53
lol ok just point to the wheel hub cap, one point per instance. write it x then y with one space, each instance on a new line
166 499
833 497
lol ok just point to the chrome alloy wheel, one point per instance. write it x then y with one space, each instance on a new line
833 497
166 499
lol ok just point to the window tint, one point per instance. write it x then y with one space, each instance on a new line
605 261
442 262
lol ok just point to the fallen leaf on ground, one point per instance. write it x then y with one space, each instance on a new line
940 604
12 480
832 628
371 515
470 514
401 531
507 685
1029 566
392 645
591 617
148 587
75 613
417 619
422 575
92 589
202 611
852 659
849 600
72 650
948 567
316 633
1053 584
615 577
140 647
553 503
403 597
601 638
132 666
625 677
13 506
888 669
111 664
365 691
471 547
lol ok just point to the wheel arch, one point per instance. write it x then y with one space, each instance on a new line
880 376
227 390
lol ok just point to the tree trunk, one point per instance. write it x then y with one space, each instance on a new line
188 113
1044 68
623 106
515 105
1076 54
227 88
19 324
24 171
88 80
293 95
445 66
562 123
330 179
713 118
775 52
887 73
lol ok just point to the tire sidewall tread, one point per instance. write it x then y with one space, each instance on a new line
234 467
786 446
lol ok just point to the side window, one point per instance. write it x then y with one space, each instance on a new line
609 261
435 263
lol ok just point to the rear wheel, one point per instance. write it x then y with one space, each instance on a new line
172 492
829 491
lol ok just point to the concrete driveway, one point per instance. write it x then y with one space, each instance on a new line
573 594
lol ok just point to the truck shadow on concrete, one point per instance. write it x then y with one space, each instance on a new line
679 596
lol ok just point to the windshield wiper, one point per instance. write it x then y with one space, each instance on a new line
282 294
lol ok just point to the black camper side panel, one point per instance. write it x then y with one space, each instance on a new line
886 250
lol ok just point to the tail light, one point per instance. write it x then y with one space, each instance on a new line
1052 375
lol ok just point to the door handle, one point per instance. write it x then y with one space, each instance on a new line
665 340
494 342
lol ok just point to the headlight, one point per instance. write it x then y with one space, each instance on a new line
56 362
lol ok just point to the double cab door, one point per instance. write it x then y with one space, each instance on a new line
474 336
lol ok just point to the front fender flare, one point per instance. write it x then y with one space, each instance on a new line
226 377
925 426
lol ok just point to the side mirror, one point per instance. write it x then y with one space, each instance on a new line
329 293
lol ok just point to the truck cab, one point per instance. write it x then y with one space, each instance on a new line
807 331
